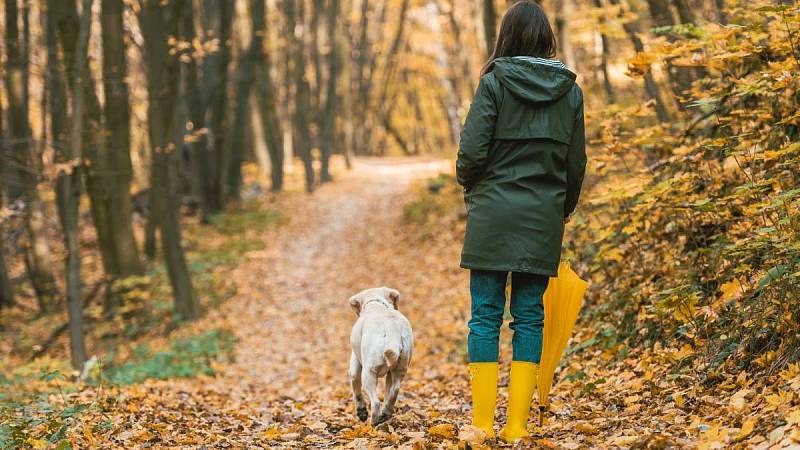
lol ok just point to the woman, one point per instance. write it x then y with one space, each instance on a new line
521 162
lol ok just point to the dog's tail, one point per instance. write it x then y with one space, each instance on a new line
392 352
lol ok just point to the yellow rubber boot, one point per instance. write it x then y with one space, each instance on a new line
520 392
484 395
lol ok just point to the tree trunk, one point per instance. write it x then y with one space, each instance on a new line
100 167
680 77
104 191
719 6
16 160
220 14
489 25
159 22
118 173
343 43
286 97
6 291
60 135
265 97
659 11
562 29
302 109
334 69
266 101
367 70
68 184
317 91
652 88
685 11
604 57
364 72
196 143
244 83
22 171
383 106
260 149
391 57
151 226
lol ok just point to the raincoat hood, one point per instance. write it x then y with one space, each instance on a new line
535 80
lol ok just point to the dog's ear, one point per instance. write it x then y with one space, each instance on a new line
393 295
355 303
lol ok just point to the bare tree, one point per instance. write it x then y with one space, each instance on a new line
6 290
215 77
241 105
160 21
489 25
343 43
334 70
295 14
562 21
68 184
19 161
384 107
266 99
604 57
652 88
116 171
685 11
364 73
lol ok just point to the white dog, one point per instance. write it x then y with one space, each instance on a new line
382 343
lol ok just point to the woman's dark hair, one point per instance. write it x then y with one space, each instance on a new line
524 31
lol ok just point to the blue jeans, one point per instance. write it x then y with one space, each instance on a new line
487 288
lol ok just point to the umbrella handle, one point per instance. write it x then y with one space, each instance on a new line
542 414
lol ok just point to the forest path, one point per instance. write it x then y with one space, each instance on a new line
295 323
287 385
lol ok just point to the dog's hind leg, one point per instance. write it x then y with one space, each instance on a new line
355 382
393 380
370 382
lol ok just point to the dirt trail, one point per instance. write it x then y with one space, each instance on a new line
287 386
294 328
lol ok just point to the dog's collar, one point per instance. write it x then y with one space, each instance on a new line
381 300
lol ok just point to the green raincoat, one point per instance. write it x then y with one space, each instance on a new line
521 161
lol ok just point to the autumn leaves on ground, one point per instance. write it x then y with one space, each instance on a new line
280 382
209 308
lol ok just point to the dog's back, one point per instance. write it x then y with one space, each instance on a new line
382 343
383 339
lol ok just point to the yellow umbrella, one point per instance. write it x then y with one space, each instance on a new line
562 303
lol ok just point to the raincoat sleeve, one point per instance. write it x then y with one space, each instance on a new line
477 135
576 163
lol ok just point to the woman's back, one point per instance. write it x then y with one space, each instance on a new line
521 161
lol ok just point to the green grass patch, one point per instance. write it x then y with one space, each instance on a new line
187 358
40 417
37 410
247 217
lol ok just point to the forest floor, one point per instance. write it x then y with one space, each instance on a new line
286 384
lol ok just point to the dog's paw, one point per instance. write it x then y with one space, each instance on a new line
362 413
383 417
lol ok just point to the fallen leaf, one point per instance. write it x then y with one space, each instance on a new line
747 428
445 430
472 435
